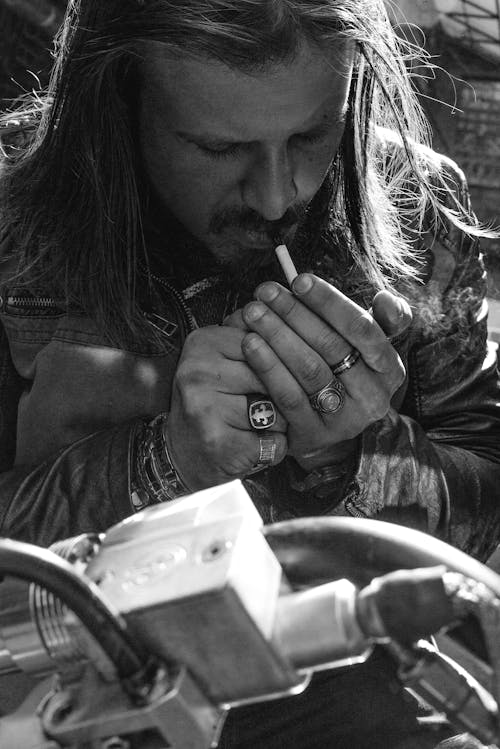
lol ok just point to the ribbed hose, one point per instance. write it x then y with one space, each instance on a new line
83 597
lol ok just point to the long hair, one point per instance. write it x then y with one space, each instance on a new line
72 199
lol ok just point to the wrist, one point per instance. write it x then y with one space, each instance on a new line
155 477
328 479
342 452
172 456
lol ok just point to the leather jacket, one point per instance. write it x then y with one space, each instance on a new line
70 405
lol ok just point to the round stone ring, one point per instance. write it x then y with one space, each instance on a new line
329 399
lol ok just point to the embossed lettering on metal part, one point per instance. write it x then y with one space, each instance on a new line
151 569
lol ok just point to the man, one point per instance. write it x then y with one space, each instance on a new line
151 346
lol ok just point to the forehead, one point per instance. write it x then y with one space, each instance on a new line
221 100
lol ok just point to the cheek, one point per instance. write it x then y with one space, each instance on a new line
193 191
183 184
313 168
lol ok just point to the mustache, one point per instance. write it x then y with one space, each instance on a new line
249 220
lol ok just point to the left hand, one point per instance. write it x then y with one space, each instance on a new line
296 339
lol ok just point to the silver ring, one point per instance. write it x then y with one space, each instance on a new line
261 412
329 399
346 363
267 453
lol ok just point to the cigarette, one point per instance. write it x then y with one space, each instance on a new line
286 263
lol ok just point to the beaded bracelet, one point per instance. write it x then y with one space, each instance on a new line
156 479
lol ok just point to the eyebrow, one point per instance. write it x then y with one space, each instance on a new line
329 120
324 125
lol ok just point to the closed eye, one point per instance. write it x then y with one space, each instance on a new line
315 136
222 151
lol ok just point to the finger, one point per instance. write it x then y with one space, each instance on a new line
312 375
286 392
220 375
307 367
215 340
235 320
311 328
392 313
238 453
269 450
372 392
353 323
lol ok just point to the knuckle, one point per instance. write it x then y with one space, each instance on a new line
311 369
289 306
266 366
196 406
383 358
331 342
378 407
399 375
193 341
236 466
189 380
290 400
254 347
362 327
212 439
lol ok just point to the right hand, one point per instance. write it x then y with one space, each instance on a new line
208 433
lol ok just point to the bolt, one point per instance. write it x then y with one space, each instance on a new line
215 550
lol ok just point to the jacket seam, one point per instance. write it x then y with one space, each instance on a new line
413 366
31 339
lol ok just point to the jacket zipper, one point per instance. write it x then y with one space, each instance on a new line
188 315
47 302
23 302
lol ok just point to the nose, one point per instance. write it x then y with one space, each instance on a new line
269 186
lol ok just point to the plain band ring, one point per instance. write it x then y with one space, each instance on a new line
267 454
261 412
346 363
267 451
329 399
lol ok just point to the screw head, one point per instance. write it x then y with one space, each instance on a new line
216 549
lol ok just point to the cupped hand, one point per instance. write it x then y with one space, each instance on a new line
295 341
208 432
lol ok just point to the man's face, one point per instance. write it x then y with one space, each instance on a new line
237 157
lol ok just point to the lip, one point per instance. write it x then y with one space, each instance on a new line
257 240
254 239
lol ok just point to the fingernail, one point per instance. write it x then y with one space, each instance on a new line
254 311
267 292
403 309
251 342
302 284
395 313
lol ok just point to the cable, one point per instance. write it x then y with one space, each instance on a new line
34 564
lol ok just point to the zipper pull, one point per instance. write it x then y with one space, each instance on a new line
161 324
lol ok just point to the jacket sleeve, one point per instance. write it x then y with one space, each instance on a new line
435 461
83 487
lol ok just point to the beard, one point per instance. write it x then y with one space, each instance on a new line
224 251
242 243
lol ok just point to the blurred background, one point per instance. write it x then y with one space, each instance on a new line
461 96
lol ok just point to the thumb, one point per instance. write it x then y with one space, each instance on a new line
392 313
